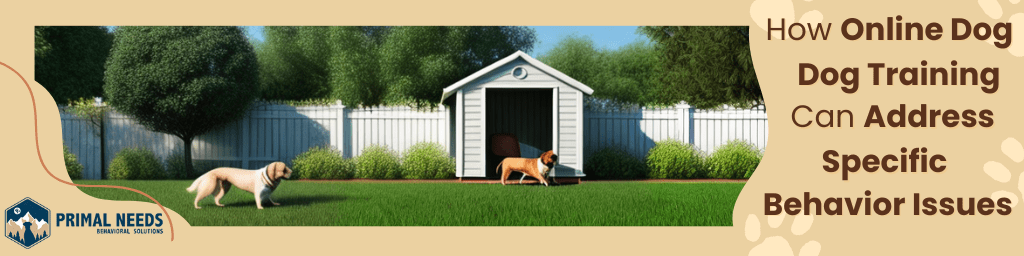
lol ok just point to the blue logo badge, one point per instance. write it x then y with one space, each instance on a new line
28 223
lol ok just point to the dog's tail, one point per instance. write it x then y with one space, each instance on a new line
196 184
498 169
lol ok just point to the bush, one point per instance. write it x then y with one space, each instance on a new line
427 160
72 165
734 160
322 163
614 163
136 164
378 162
672 159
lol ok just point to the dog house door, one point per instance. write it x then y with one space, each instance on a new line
527 113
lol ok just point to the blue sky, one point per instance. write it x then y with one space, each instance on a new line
608 37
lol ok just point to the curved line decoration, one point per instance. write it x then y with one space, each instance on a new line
35 119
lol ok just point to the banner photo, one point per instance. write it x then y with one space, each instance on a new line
504 128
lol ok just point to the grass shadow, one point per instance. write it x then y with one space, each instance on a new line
292 200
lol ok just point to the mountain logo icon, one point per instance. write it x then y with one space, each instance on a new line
27 223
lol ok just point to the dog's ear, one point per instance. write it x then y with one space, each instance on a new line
278 170
548 157
270 171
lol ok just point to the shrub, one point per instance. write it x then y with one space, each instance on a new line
378 162
614 163
72 165
322 163
427 160
672 159
736 159
136 164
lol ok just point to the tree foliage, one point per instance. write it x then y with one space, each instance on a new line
418 62
627 74
70 60
368 66
354 69
579 58
89 110
706 66
183 81
293 63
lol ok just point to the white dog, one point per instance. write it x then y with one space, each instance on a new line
259 182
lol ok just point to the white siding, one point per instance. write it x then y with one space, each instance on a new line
569 157
473 140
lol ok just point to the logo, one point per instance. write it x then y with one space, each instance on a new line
27 223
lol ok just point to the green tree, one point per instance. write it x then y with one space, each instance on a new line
418 62
354 69
299 63
293 63
626 74
706 66
579 58
631 74
70 61
183 81
369 66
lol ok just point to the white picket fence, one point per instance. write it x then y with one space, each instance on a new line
278 133
637 130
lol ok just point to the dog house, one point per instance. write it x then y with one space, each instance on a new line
518 95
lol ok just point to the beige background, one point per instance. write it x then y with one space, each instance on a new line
790 167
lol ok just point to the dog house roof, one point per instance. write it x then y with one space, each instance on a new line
450 90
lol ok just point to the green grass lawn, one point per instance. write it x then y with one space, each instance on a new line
305 203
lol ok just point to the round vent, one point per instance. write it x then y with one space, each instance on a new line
519 73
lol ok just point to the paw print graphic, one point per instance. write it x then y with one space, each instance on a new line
761 10
1013 150
994 10
778 245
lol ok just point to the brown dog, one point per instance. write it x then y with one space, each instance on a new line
533 167
260 182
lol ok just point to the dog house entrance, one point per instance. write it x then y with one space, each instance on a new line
524 113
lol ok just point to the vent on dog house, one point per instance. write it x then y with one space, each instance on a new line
518 95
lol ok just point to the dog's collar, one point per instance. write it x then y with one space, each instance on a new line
265 178
547 169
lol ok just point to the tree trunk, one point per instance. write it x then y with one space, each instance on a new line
189 170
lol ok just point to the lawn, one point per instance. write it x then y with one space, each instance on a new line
310 203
